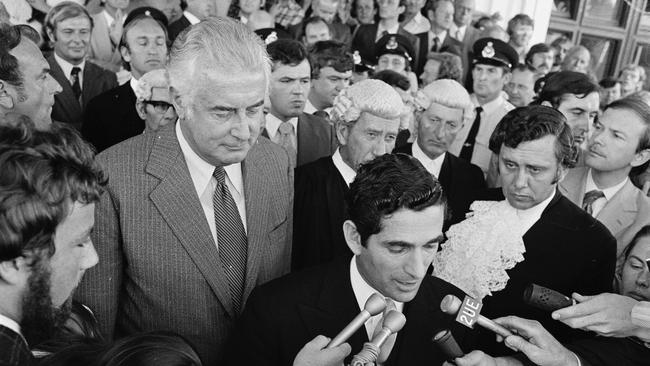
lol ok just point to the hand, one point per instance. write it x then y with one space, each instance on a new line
115 30
605 314
314 353
536 342
476 358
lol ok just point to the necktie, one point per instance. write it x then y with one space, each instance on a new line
231 238
285 137
468 147
322 114
589 199
76 86
436 44
390 342
458 35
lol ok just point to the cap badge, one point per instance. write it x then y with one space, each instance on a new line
356 57
272 37
392 44
488 51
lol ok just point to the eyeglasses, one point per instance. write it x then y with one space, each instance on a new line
159 106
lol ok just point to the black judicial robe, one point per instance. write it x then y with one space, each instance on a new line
605 351
13 350
318 214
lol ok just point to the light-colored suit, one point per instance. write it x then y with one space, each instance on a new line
101 50
624 214
159 267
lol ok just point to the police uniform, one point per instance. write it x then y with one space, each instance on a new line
395 44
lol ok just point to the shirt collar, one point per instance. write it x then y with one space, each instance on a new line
490 106
191 17
273 123
530 216
201 171
608 192
441 36
393 30
362 290
10 323
309 108
344 169
133 83
66 67
431 165
109 18
418 18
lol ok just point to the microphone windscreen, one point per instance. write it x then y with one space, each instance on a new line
545 299
445 340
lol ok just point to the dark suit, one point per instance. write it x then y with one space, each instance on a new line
319 213
460 181
284 314
175 28
568 251
450 45
111 118
607 351
316 138
159 265
95 81
364 42
13 349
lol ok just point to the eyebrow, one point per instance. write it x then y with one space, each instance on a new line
224 108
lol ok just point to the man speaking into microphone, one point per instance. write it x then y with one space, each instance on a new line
396 210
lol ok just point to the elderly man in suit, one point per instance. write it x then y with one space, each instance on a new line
305 137
321 186
198 213
444 107
394 228
619 141
47 200
111 117
69 26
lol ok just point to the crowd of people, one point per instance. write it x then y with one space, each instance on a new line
184 182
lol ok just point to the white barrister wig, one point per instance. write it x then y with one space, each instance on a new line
370 96
448 93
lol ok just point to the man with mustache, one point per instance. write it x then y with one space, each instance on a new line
540 57
305 137
48 190
619 141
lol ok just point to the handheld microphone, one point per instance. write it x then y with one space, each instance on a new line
468 314
393 322
374 305
546 299
445 340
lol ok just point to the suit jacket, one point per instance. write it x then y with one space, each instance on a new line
568 251
159 265
95 81
624 215
284 314
101 51
460 181
175 28
606 351
13 349
450 44
319 212
364 42
471 35
111 118
316 138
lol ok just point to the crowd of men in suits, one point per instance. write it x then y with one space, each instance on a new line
255 185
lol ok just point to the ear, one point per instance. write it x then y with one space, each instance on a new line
401 9
140 107
126 55
6 100
546 103
641 158
342 133
352 237
15 271
430 15
560 174
506 77
50 34
178 102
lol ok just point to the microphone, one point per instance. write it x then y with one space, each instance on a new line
468 314
445 340
374 305
393 322
545 299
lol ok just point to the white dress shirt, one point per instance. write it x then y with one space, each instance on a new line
66 67
205 184
528 217
191 17
490 116
109 18
457 32
381 29
344 169
273 124
419 24
309 108
441 38
433 166
13 325
362 291
600 203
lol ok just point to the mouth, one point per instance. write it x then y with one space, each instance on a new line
637 296
407 285
596 153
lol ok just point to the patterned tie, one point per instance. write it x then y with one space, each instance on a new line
436 44
231 238
387 347
76 86
589 199
458 35
285 137
468 147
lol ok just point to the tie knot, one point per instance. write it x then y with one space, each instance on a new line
479 109
592 196
286 128
219 174
75 71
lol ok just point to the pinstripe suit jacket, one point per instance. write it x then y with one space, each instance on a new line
159 267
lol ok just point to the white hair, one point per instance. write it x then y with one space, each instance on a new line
217 44
370 96
153 79
448 93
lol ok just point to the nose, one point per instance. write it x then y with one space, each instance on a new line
380 148
643 279
521 179
241 127
417 264
439 131
90 258
54 85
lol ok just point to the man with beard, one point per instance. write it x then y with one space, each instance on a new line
48 190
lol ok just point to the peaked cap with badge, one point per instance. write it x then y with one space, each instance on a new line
395 44
492 51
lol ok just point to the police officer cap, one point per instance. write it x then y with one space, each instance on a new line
395 44
492 51
146 11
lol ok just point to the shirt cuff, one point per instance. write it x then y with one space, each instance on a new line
640 316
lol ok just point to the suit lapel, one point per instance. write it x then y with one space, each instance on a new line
66 98
573 185
620 211
445 172
90 76
334 195
178 204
